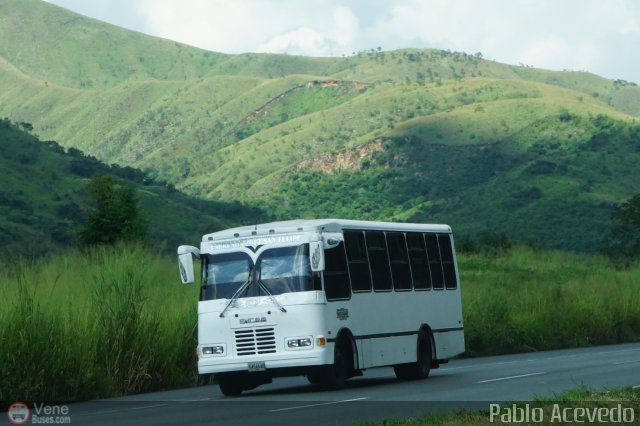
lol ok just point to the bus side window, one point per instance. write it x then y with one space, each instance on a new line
358 261
419 261
336 280
399 260
435 262
446 251
378 260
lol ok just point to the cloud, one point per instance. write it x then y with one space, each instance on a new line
545 52
337 37
117 12
228 26
345 26
301 41
571 34
309 28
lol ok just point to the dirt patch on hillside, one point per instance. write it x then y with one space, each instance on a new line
350 159
357 85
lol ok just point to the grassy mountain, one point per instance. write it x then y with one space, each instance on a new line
410 134
553 183
43 193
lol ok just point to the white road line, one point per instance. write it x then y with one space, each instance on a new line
636 387
541 359
317 405
121 410
478 365
618 351
505 362
626 362
559 356
512 377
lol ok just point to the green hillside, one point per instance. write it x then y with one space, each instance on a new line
553 183
43 194
412 134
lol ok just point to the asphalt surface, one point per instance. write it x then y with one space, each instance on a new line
467 383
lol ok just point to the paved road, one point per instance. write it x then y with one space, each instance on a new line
468 383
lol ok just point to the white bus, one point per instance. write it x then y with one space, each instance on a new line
326 299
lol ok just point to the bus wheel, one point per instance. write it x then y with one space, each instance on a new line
421 368
336 375
230 384
423 364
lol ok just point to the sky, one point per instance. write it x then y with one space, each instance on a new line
599 36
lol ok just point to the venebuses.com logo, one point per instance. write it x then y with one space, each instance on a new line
18 413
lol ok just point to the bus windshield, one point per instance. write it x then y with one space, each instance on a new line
280 270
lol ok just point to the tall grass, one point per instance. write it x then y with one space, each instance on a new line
116 320
528 300
88 325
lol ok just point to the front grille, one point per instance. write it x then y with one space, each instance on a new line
255 341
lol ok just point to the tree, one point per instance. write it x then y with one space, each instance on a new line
115 215
624 241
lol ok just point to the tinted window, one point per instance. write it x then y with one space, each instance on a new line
379 260
419 261
358 261
435 263
448 267
336 280
399 259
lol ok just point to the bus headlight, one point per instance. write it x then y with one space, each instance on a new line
214 350
294 343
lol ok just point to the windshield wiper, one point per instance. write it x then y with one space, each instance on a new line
271 296
238 292
253 277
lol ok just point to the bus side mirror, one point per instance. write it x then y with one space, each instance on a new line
317 256
185 263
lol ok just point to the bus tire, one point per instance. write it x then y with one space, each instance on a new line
335 375
230 384
422 367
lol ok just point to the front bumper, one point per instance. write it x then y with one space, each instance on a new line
295 359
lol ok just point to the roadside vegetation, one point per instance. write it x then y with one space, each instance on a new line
114 320
576 399
105 322
526 299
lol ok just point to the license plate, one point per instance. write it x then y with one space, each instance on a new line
256 366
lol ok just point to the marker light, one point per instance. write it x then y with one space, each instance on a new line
322 341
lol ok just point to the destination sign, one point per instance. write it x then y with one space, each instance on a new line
256 241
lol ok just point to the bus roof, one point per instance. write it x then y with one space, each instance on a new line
321 225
